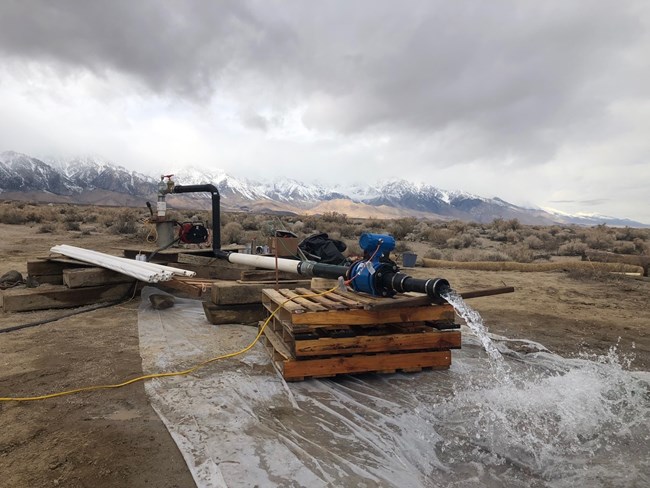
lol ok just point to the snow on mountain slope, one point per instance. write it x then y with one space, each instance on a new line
82 175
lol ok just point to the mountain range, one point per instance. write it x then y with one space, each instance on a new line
93 180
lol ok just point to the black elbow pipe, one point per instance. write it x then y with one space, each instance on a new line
216 209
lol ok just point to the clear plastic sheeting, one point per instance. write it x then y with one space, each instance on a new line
555 422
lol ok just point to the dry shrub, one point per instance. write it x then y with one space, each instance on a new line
572 248
250 223
520 254
232 233
460 242
12 216
624 247
400 228
439 236
72 225
433 254
124 222
534 242
503 226
335 217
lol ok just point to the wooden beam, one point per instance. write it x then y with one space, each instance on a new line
51 267
380 343
266 275
43 298
82 277
299 369
229 293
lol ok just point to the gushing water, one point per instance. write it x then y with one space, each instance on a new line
564 421
475 323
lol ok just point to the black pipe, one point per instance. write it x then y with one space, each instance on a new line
216 209
401 283
332 271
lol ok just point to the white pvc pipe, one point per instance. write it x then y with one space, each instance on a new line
143 264
288 265
144 271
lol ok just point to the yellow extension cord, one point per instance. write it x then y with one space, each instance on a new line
164 375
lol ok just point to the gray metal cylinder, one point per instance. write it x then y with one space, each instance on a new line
165 232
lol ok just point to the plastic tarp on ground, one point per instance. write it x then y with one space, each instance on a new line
557 422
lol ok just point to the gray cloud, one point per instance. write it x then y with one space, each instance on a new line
502 84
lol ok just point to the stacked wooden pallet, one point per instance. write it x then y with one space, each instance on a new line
343 332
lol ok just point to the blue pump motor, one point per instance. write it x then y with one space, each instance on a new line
366 273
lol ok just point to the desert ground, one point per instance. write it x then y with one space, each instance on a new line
114 438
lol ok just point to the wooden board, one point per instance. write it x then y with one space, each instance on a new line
166 255
211 272
82 277
295 370
233 314
231 293
431 340
51 296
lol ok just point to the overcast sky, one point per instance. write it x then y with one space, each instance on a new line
540 103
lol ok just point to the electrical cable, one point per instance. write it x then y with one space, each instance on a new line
70 314
170 373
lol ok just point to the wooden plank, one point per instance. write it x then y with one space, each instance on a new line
229 293
381 343
367 317
357 297
298 369
273 298
81 277
329 304
266 275
337 297
233 314
305 302
43 298
277 343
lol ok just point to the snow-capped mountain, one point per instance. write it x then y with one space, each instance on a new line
92 179
93 172
22 173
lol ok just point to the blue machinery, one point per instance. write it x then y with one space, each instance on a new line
375 274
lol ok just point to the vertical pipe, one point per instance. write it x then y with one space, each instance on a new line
216 208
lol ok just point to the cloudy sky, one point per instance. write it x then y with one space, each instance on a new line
539 103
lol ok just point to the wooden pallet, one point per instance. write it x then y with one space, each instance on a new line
344 332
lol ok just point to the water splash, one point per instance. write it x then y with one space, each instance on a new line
475 323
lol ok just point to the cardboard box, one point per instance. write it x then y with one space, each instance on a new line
287 246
